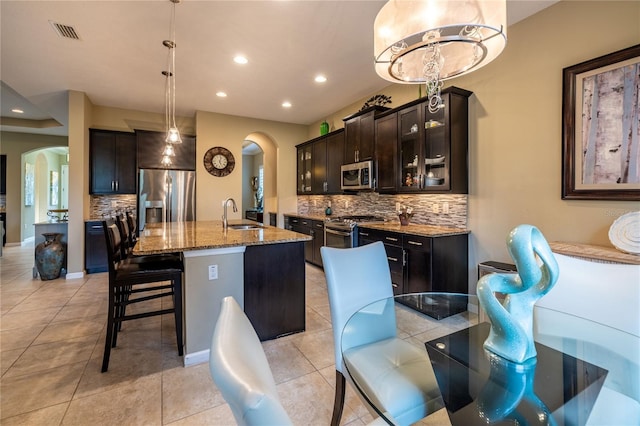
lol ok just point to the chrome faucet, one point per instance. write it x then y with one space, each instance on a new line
224 216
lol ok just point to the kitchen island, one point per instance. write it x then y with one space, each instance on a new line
262 267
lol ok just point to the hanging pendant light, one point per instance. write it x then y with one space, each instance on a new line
429 41
173 134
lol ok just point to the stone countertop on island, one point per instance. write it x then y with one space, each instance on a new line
171 237
415 229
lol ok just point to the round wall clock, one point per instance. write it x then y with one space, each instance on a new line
219 161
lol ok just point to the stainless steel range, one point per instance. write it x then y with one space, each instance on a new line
342 231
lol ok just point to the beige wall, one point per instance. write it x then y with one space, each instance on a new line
516 127
277 141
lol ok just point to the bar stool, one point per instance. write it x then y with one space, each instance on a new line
129 284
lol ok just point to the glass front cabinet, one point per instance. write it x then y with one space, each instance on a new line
433 146
305 156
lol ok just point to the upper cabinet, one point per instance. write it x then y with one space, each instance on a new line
433 146
112 162
151 145
319 162
359 139
386 135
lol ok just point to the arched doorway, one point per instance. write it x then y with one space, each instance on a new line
265 150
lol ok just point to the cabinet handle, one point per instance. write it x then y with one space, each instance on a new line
404 258
390 238
393 259
415 243
117 184
96 226
364 234
113 185
394 285
320 225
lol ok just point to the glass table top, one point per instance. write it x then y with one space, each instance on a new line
585 372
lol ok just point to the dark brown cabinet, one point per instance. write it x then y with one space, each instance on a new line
314 228
151 146
3 174
387 153
359 139
95 248
318 164
274 289
433 145
419 264
395 255
112 162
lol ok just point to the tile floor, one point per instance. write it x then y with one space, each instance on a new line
51 343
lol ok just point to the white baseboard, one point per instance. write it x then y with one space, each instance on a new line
74 275
196 358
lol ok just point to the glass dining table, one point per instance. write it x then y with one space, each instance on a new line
585 373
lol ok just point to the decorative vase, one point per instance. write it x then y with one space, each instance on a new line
324 128
50 256
404 219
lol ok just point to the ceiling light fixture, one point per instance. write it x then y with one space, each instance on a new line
320 79
17 111
173 134
430 41
286 104
239 59
221 94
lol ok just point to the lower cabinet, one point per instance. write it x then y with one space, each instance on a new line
424 264
95 248
395 254
274 287
315 228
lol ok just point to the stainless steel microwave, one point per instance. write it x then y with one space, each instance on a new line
357 176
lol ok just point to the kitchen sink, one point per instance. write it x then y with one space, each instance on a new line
245 227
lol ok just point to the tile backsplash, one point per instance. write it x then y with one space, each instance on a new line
108 205
428 209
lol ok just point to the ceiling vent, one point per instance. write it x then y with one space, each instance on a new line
65 31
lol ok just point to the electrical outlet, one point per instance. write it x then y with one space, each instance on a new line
213 272
445 208
346 204
435 208
397 207
114 203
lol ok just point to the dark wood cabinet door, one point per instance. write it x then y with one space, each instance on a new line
450 257
386 131
126 164
95 248
274 289
151 145
418 268
318 241
102 164
335 159
351 140
319 167
366 146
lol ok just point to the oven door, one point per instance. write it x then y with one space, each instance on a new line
338 238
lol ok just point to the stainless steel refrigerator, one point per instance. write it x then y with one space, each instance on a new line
166 196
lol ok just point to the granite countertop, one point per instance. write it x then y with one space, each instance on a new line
319 217
171 237
415 229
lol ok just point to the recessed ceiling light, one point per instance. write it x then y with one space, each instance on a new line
239 59
17 111
221 94
320 78
286 104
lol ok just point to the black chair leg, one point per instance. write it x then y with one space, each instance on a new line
338 402
110 330
177 311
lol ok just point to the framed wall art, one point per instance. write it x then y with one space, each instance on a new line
601 128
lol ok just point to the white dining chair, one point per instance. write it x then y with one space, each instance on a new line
241 371
394 374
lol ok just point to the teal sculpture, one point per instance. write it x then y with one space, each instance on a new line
511 335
